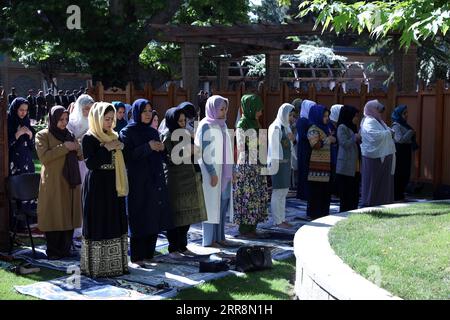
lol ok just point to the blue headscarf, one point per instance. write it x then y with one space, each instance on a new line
397 116
138 107
316 117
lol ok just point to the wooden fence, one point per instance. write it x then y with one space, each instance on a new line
429 113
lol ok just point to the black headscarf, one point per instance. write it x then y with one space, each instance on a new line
13 119
71 170
188 109
172 116
346 116
122 123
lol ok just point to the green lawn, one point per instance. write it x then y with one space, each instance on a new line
408 249
274 284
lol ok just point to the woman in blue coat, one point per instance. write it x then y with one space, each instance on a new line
148 202
303 149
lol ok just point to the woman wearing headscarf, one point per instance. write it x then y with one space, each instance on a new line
155 120
184 183
191 115
20 138
121 121
320 139
405 144
78 119
129 113
59 202
332 124
251 194
378 157
216 163
148 201
303 149
348 174
104 248
278 160
79 125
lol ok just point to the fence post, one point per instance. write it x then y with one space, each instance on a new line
418 153
337 96
128 89
363 96
4 169
99 89
286 93
171 95
312 92
439 133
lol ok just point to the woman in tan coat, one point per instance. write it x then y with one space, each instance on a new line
59 203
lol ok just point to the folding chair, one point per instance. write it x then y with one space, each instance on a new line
24 187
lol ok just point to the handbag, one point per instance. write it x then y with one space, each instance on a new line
253 258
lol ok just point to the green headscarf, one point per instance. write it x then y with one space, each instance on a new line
251 104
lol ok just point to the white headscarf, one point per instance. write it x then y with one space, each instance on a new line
78 124
335 111
306 106
275 151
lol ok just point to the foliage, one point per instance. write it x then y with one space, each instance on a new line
309 56
113 33
162 57
416 20
269 11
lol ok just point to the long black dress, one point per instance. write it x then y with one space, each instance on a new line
149 210
303 156
105 241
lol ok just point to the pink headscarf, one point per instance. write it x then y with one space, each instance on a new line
212 107
373 108
213 104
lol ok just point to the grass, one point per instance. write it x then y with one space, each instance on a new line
406 249
10 279
37 165
273 284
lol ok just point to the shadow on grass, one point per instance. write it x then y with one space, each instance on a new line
268 284
425 212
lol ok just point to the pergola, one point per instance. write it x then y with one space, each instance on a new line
229 42
246 39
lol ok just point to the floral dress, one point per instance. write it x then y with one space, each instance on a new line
250 193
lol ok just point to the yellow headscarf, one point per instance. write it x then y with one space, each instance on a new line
96 115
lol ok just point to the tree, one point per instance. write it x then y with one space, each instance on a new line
422 22
416 20
113 33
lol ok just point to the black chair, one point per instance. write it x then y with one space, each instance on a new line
24 187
